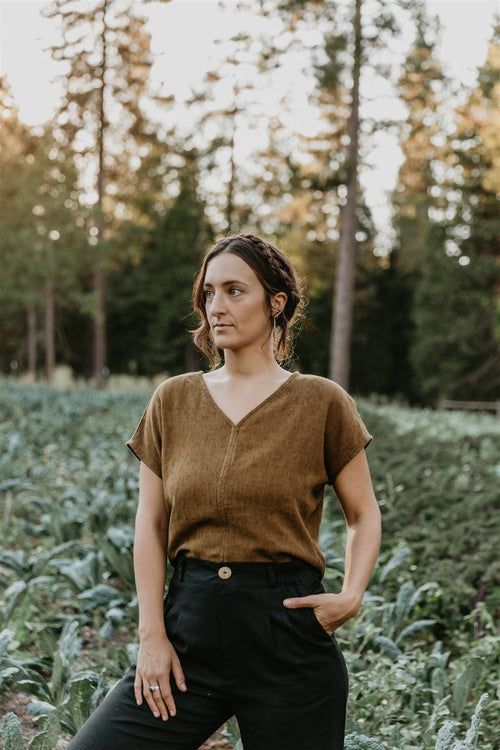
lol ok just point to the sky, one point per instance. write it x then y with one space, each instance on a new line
180 45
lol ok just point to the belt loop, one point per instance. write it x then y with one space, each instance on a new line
271 574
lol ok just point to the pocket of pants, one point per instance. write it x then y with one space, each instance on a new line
303 619
311 616
307 625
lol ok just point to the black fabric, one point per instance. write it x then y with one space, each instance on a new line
243 653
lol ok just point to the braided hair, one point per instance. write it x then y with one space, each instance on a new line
276 274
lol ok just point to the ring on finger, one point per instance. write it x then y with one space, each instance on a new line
154 687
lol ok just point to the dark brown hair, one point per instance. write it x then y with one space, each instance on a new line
276 274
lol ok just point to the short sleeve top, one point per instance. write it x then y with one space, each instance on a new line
251 491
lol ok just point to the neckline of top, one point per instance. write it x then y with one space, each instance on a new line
254 409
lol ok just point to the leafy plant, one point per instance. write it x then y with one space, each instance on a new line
423 648
446 736
11 732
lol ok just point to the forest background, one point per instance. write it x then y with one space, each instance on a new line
108 208
106 211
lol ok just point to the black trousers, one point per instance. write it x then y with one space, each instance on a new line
243 653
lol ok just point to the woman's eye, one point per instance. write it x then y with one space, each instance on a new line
208 293
234 291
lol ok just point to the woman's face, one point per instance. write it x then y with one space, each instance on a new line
235 304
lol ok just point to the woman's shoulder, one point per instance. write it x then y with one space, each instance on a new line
317 386
176 385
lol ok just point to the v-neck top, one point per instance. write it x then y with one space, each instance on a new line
251 491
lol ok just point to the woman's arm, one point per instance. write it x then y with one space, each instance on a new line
355 492
156 658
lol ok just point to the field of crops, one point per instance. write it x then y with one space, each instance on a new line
422 655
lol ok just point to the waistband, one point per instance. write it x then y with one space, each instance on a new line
272 574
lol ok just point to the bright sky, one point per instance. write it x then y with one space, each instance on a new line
186 48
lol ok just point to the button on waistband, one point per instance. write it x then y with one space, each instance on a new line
224 572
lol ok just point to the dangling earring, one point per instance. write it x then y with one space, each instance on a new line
274 323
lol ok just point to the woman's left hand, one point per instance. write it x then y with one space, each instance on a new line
331 610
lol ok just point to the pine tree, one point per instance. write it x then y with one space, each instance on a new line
150 293
421 87
354 33
16 144
457 348
41 247
106 49
416 196
342 312
226 110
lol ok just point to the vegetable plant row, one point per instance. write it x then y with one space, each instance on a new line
423 655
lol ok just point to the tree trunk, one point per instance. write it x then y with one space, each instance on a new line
99 349
340 345
49 333
99 343
230 184
31 342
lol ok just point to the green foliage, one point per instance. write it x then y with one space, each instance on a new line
446 737
232 733
464 683
47 740
419 655
382 328
151 293
456 352
41 243
454 327
430 467
361 742
12 735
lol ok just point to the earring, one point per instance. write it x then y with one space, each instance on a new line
274 323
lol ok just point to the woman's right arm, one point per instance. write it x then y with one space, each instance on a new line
156 658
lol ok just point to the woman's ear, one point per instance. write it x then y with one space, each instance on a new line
278 302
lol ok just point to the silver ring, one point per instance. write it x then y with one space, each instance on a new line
154 687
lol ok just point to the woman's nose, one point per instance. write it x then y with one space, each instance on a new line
217 303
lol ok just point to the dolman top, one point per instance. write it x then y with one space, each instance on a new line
251 491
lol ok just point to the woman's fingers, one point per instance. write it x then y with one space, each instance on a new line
160 700
152 680
178 674
331 610
313 600
138 688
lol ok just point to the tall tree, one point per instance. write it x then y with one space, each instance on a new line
415 199
355 38
341 329
457 347
16 145
41 247
228 114
421 87
149 312
106 50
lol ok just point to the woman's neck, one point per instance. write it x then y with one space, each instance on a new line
250 365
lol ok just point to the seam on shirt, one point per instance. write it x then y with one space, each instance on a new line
221 486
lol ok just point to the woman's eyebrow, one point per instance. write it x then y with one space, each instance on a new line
227 283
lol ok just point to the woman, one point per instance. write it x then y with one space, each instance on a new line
233 468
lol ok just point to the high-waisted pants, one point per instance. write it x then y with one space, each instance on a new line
243 653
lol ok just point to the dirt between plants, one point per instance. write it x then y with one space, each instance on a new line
18 702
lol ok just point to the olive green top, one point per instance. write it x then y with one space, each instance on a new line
251 491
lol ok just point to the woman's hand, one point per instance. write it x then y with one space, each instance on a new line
155 661
331 610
